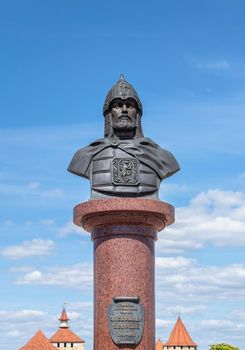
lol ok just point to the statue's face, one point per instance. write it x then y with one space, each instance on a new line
123 115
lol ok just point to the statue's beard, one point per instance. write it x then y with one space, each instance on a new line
124 128
125 123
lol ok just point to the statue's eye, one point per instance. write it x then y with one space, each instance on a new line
120 105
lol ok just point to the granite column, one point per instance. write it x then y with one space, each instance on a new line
124 232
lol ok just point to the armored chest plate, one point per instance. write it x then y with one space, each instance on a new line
126 320
125 171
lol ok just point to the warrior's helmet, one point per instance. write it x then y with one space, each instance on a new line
121 90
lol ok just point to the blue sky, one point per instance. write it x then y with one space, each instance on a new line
186 60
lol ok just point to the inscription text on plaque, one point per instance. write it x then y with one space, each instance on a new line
126 320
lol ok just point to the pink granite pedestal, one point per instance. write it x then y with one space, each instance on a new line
124 232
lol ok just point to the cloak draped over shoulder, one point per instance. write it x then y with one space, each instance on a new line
142 148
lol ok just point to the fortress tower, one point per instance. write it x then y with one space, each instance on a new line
65 337
179 338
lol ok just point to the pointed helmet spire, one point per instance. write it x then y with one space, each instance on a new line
123 90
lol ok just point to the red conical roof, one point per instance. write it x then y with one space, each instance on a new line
65 335
159 345
179 336
38 342
64 316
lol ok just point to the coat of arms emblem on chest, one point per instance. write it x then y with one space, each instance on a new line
125 171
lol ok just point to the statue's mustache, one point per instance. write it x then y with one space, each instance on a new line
124 115
124 120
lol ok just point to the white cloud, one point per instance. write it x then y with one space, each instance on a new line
27 314
28 321
32 277
177 278
162 323
218 65
171 187
23 268
185 280
35 247
23 324
82 306
239 314
14 333
78 276
70 228
183 309
170 263
212 323
213 217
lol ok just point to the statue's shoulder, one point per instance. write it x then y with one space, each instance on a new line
160 159
93 147
147 141
81 160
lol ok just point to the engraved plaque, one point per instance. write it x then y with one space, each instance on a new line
125 171
126 320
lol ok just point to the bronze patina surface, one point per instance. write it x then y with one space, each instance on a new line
124 163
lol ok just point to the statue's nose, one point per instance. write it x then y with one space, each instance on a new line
124 108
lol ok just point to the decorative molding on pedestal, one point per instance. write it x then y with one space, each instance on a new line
120 211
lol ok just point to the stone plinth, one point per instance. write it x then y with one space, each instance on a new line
124 232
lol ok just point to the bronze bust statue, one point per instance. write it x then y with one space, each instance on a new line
124 163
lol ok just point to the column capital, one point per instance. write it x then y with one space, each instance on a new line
112 212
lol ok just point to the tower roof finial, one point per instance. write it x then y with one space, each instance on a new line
64 318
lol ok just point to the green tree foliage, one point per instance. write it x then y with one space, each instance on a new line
223 346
